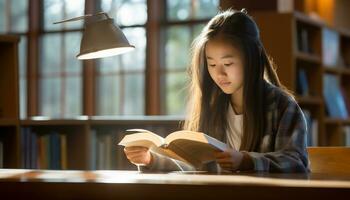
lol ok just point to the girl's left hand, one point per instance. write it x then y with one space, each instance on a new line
229 159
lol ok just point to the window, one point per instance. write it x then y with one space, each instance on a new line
120 79
119 82
184 21
60 81
14 20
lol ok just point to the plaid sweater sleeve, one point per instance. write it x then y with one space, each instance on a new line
289 144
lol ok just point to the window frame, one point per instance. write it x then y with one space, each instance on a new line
156 24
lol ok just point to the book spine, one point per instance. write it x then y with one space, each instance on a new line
93 150
63 139
23 155
33 150
52 155
108 149
27 147
100 155
1 154
47 151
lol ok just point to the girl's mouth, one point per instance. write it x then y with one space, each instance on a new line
224 83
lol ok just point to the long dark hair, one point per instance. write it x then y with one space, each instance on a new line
208 104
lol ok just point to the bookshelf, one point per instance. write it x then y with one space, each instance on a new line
9 109
43 143
306 53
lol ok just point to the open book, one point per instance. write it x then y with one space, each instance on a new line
188 146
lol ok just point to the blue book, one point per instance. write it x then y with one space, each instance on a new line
23 150
302 84
55 150
334 98
33 150
330 47
58 151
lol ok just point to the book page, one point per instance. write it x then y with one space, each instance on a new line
142 138
194 152
195 147
196 137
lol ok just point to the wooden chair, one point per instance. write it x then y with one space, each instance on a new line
329 159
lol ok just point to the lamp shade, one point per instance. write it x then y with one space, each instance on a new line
102 39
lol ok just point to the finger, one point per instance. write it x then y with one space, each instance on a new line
136 158
133 152
223 160
137 161
129 156
222 154
135 148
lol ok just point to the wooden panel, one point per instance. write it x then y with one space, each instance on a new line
153 58
33 49
9 137
329 159
9 103
279 43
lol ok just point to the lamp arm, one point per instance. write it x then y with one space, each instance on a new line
82 17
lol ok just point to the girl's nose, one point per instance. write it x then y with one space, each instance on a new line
221 71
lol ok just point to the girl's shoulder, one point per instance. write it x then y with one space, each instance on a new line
282 108
277 98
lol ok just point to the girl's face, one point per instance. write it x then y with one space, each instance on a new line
225 65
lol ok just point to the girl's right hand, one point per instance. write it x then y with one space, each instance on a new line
138 155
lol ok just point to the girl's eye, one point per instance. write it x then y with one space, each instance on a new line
212 65
228 64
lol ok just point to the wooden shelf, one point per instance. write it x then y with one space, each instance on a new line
8 122
337 70
337 121
309 100
312 58
54 122
285 48
144 120
301 17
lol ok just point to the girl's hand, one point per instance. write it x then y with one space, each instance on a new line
138 155
229 159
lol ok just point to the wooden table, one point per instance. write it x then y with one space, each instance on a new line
51 184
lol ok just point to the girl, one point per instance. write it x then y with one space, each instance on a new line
237 97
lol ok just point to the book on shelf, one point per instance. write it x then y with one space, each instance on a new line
303 40
330 48
346 130
43 151
302 83
346 55
102 153
334 98
346 95
93 144
1 154
341 137
188 146
312 128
